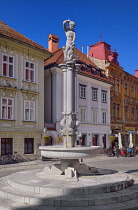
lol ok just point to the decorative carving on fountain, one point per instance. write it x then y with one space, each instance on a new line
70 43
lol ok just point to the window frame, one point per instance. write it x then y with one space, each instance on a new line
8 106
117 86
82 115
26 145
113 109
104 96
118 110
126 112
29 69
126 89
104 117
132 91
25 108
94 94
8 64
95 111
82 94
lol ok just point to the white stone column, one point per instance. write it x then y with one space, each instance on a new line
64 69
70 87
64 90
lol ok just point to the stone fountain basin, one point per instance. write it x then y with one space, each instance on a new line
69 152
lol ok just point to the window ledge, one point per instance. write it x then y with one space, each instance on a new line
6 120
29 122
82 98
8 88
9 78
29 91
27 82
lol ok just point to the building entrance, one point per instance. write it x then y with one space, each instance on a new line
95 140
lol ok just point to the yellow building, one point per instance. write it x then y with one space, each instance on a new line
21 92
124 93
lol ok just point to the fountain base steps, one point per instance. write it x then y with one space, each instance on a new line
31 190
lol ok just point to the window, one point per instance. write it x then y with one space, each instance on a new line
29 111
82 91
28 146
132 91
126 111
82 114
6 146
113 81
125 89
94 116
117 110
104 96
104 117
113 110
29 71
94 94
8 66
117 86
7 108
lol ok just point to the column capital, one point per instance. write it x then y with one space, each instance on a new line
63 66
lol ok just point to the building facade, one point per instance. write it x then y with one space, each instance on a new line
124 93
92 98
21 92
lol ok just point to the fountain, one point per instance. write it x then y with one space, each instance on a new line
70 184
69 153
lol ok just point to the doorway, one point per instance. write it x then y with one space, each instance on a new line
83 140
104 141
95 140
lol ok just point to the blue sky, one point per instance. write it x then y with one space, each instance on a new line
116 20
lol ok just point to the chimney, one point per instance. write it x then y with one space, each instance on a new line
136 73
53 43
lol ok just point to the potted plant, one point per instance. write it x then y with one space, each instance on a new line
111 138
59 139
46 139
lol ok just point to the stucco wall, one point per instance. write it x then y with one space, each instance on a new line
21 90
88 127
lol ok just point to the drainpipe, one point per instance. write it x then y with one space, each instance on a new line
51 95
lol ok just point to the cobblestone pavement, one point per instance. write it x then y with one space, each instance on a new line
8 169
124 164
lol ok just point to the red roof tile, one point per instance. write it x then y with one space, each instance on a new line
58 58
10 33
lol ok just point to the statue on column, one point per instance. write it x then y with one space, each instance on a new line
70 43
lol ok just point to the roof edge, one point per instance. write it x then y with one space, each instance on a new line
21 42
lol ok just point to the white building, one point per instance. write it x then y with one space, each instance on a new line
92 100
21 92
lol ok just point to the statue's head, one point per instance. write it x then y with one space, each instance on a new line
71 24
